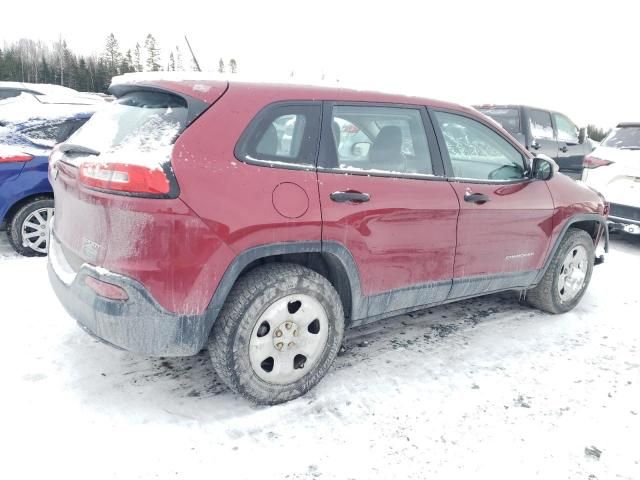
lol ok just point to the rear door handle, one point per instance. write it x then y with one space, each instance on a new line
479 198
564 149
357 197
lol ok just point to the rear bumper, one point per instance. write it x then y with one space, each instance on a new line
137 325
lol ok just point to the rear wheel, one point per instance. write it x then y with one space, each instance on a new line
568 275
28 229
278 333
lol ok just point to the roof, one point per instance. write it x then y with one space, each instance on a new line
207 88
27 108
39 88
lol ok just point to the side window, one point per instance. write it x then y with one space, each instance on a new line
384 139
540 123
287 133
567 131
477 152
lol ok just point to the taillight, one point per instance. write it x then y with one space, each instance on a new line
125 178
21 157
594 162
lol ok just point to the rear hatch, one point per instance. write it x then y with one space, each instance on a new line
113 180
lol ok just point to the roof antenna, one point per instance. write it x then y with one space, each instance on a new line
195 61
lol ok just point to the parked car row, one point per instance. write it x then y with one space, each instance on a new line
260 221
544 131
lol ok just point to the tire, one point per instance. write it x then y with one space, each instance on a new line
553 294
37 212
257 320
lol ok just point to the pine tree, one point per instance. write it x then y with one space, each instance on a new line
153 54
137 58
171 66
233 65
179 63
112 54
221 66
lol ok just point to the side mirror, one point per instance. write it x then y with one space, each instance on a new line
582 135
543 168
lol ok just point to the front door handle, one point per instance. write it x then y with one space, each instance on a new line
535 145
350 196
479 198
564 149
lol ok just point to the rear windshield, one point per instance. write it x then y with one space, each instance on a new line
142 121
509 118
626 138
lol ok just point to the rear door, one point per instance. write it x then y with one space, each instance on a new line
570 151
505 218
385 200
543 135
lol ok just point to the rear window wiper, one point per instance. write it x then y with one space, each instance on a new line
71 148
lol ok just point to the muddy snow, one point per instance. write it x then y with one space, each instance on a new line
485 388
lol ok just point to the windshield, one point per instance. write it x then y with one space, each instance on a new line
509 118
143 121
624 138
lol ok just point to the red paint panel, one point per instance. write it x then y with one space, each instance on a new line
404 235
509 233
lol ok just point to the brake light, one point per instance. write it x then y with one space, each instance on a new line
594 162
21 157
126 178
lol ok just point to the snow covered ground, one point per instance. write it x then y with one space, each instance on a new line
485 388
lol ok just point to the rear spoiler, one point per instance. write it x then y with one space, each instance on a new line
628 124
195 106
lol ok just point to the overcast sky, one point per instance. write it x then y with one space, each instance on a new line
574 56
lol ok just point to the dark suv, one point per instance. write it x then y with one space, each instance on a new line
544 131
202 213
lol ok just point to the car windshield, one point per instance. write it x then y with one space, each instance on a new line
509 118
141 121
626 138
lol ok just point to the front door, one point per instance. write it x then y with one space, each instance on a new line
385 200
570 151
505 218
543 137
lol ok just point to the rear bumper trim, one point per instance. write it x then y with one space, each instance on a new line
138 325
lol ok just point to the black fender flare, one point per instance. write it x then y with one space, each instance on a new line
245 258
580 217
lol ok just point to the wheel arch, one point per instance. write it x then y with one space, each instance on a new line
17 205
592 223
332 260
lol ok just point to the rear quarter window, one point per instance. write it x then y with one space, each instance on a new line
284 134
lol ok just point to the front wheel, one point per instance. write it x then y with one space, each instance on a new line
568 275
27 230
278 333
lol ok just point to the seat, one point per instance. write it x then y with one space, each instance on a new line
386 151
268 144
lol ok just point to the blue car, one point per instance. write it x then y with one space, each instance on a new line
26 198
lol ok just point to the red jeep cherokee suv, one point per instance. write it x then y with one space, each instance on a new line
260 220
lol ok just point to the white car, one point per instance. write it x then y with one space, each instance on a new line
613 169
